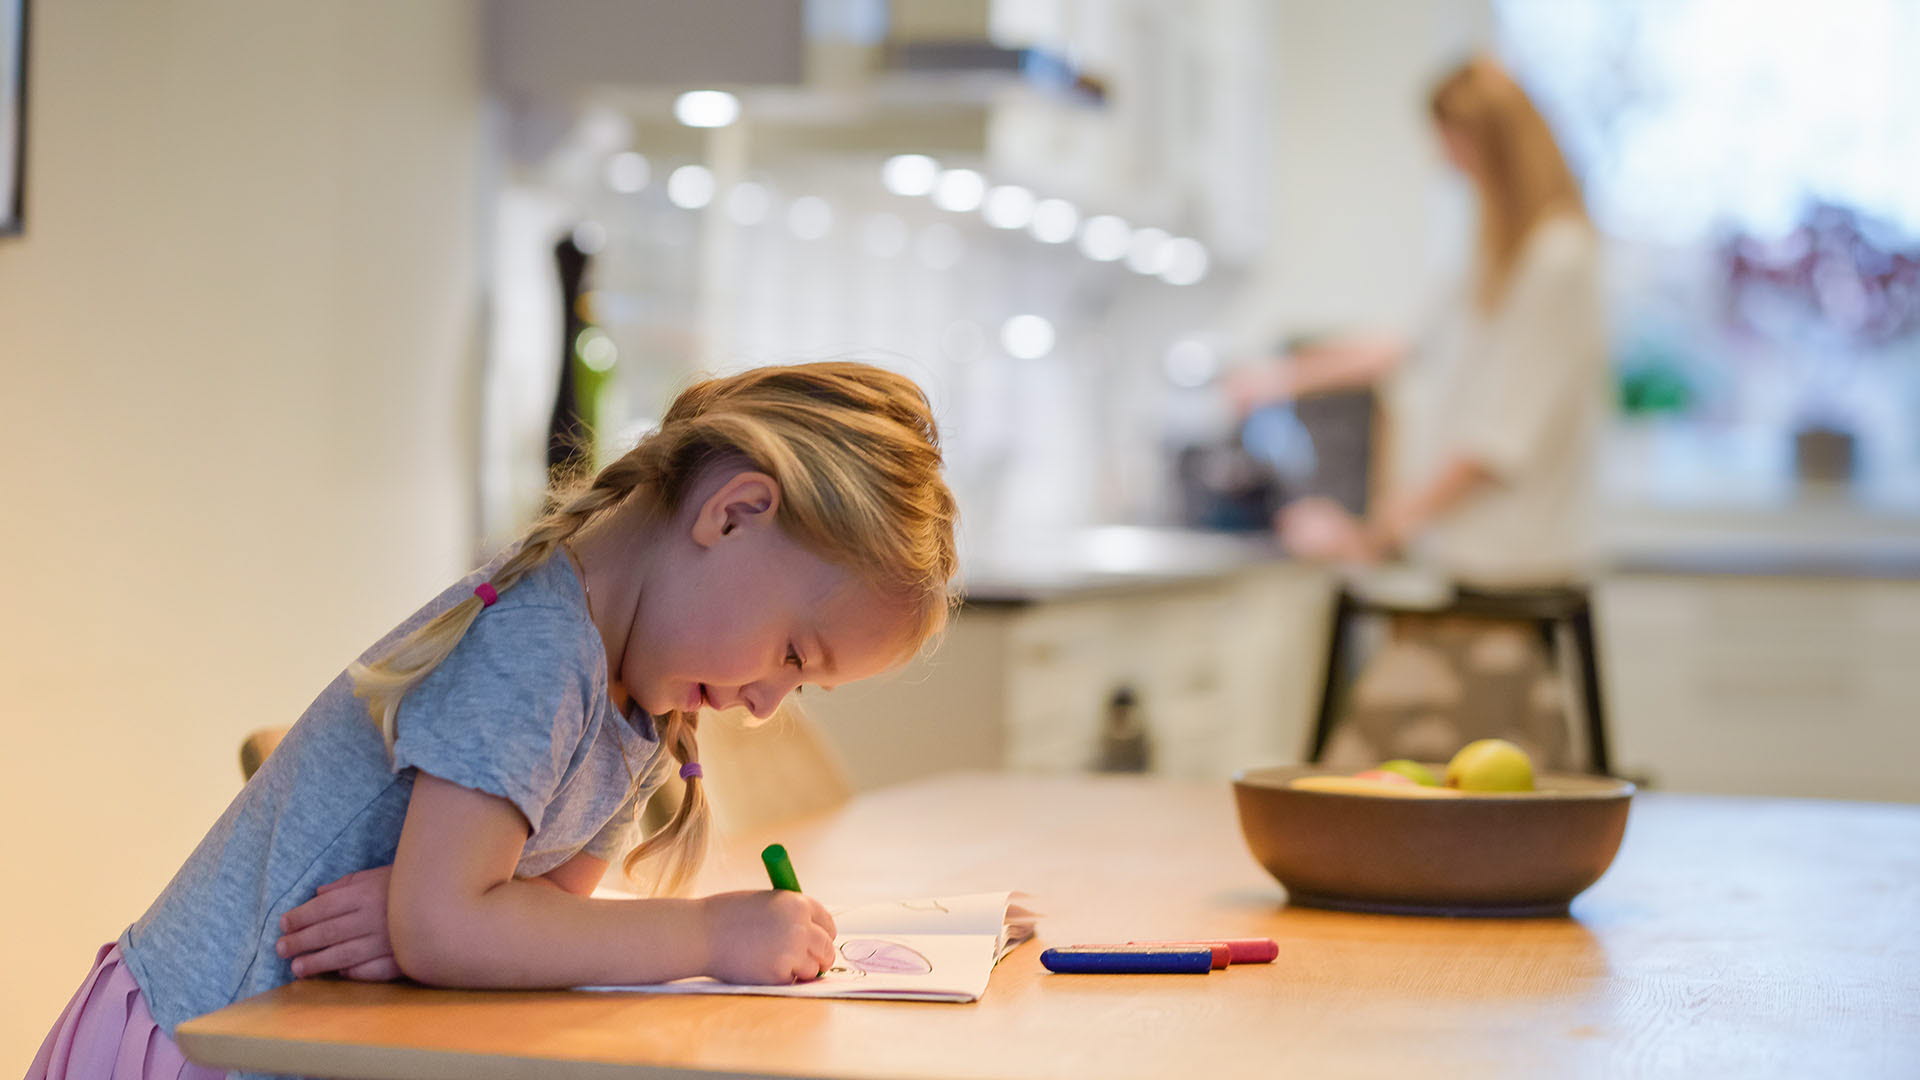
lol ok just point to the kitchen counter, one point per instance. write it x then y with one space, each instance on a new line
1107 559
1815 536
1811 537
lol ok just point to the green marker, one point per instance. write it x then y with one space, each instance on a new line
779 869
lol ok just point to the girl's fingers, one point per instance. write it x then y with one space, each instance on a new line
824 920
378 969
338 882
319 909
351 879
339 957
321 935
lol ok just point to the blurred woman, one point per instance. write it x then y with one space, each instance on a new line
1496 406
1495 411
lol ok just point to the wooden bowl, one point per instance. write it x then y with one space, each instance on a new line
1505 854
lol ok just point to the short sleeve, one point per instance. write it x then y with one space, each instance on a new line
1541 354
504 712
622 833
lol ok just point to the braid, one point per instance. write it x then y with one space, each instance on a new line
683 840
613 484
383 683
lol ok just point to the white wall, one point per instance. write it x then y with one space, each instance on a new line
1364 217
236 376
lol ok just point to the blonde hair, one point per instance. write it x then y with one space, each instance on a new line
856 453
1519 173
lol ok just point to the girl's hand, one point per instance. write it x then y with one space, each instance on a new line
767 937
343 928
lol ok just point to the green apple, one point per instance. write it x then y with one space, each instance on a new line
1412 770
1490 765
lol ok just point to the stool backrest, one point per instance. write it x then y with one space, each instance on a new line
255 748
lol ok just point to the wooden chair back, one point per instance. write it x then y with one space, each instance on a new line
255 748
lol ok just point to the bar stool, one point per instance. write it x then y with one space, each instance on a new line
256 746
1555 611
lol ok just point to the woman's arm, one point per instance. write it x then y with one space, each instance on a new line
1402 518
458 917
1343 364
1317 527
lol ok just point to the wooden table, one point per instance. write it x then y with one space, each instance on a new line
1750 937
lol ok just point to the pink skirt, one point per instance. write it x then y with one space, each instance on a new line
106 1033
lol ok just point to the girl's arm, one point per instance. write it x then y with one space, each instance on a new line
578 875
458 917
344 927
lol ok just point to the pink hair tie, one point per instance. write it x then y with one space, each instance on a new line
691 770
487 594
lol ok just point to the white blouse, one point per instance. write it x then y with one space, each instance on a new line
1522 391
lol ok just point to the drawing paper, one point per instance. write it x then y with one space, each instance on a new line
934 949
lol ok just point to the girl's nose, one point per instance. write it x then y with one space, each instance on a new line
763 698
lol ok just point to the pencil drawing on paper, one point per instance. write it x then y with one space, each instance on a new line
909 905
880 957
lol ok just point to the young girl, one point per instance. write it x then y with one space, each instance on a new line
784 525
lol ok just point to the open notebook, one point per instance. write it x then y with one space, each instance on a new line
939 949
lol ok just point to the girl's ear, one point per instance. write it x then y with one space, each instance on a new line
745 501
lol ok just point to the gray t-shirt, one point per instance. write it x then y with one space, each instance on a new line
519 709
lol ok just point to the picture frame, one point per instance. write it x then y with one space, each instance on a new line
13 116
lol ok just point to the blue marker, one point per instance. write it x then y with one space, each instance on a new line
1128 960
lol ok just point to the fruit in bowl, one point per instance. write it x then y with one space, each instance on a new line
1412 770
1484 766
1490 765
1371 844
1374 782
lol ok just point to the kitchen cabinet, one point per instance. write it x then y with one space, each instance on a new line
1765 684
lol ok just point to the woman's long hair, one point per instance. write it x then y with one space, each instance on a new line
1518 172
856 453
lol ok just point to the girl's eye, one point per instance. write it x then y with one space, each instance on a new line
793 657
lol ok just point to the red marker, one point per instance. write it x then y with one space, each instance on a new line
1257 950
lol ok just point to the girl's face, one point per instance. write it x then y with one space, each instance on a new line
735 613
